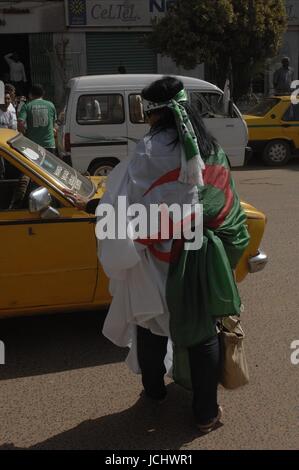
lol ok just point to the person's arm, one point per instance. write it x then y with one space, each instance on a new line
98 109
55 125
12 122
22 119
8 58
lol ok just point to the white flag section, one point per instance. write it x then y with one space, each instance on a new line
226 96
2 89
138 269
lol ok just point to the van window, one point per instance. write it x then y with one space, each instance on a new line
136 109
209 105
100 109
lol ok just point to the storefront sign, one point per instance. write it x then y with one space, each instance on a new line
107 13
292 7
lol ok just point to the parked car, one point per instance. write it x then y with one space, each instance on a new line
48 257
103 119
273 127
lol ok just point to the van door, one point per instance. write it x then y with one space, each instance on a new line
136 125
230 132
98 134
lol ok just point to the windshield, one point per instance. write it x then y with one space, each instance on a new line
262 108
66 176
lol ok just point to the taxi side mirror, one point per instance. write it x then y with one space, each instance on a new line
40 201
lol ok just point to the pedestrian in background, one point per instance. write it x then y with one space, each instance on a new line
283 77
16 72
11 90
37 119
7 120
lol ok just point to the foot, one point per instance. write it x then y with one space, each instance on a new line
206 428
154 399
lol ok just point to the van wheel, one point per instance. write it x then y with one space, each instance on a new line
102 167
277 153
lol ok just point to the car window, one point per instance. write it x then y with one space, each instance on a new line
209 105
263 107
136 109
100 109
292 113
66 176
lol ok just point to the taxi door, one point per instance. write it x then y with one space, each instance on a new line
290 124
46 262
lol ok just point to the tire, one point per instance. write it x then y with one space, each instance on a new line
102 167
277 153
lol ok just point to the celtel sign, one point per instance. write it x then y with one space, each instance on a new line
114 13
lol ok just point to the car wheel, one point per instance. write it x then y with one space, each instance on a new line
277 153
102 167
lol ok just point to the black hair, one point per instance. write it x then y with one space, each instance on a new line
37 90
165 89
9 88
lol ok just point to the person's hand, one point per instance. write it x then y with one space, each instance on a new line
78 200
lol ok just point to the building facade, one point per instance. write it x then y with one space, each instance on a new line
57 40
60 39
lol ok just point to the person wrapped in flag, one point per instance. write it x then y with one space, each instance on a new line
166 296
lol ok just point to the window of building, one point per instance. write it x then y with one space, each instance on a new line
100 109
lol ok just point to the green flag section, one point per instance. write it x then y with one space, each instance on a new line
201 285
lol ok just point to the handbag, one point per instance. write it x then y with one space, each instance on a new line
234 368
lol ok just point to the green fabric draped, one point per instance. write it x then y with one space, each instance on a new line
201 285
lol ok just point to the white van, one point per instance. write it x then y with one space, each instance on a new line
103 119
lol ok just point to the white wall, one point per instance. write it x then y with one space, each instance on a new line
43 18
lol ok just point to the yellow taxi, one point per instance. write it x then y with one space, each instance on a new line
48 253
273 126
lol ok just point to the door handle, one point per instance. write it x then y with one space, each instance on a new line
30 231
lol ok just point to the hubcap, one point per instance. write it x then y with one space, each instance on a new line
278 153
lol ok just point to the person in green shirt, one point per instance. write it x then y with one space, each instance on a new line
37 119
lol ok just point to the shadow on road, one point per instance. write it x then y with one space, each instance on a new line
143 426
55 343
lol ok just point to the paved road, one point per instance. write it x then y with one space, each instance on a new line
66 387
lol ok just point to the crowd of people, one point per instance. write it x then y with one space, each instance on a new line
35 117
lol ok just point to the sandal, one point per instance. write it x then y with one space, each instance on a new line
206 428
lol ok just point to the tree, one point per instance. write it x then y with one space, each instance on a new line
215 31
